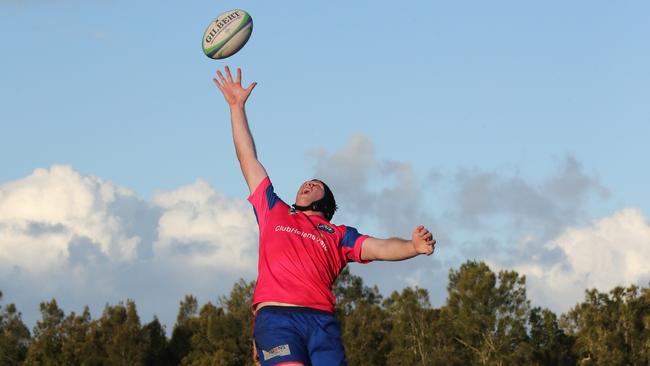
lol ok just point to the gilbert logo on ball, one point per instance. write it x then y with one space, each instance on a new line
227 34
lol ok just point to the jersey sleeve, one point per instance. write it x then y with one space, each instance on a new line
351 244
263 200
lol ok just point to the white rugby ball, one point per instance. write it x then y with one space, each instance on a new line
227 34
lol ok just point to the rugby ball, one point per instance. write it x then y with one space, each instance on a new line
227 34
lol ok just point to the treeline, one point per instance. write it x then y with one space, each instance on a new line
487 320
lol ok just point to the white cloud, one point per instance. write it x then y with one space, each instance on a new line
613 251
200 226
40 215
83 240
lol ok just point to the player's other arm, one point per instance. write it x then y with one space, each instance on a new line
236 97
396 249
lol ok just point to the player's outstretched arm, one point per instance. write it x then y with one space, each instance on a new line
396 249
236 97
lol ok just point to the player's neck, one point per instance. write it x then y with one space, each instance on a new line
314 213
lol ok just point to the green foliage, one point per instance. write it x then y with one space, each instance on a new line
14 336
219 335
121 335
365 324
411 321
489 315
47 346
81 343
550 344
158 352
240 319
186 326
612 329
487 320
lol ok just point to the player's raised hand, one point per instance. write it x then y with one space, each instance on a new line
423 240
232 90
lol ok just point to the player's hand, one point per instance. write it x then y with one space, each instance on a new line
423 240
232 90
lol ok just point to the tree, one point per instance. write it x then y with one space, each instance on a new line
487 320
223 335
645 320
611 328
122 336
489 314
81 344
185 327
14 336
46 347
365 324
239 313
157 347
214 341
412 319
551 345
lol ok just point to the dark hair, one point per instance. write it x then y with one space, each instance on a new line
327 204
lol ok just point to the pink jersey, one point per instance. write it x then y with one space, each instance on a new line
300 256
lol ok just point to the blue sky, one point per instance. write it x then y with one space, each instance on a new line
516 130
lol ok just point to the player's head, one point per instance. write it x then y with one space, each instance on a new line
315 195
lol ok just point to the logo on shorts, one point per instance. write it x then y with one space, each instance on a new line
282 350
327 228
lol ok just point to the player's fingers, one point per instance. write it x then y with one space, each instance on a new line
427 250
220 75
251 87
238 75
228 74
218 84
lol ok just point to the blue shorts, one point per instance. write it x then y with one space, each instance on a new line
296 334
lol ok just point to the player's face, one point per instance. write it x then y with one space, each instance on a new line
310 191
